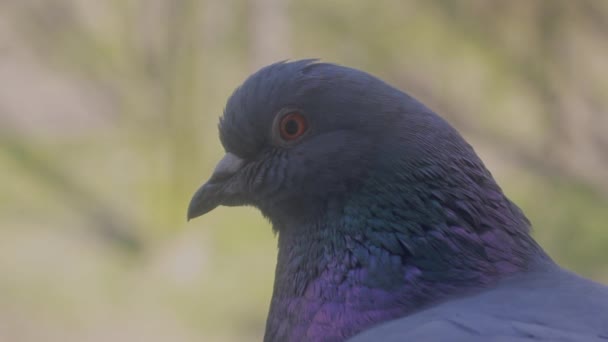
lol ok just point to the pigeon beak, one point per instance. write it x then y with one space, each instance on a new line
211 194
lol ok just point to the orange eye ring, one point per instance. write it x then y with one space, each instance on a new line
292 126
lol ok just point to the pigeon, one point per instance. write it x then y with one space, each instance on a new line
390 227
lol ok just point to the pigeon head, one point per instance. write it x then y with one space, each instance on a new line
381 206
302 137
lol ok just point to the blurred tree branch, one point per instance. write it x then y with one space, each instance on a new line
151 68
103 218
269 32
181 89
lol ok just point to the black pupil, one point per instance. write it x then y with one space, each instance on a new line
292 127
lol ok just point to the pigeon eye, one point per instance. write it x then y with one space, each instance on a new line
292 126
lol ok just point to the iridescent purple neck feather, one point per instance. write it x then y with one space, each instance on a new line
400 243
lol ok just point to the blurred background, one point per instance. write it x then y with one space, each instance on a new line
108 116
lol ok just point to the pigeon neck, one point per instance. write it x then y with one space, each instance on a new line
379 260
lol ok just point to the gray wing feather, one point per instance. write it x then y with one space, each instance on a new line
553 305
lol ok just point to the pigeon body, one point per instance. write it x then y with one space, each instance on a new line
383 212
